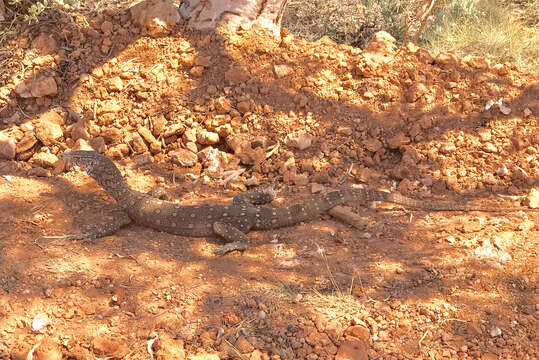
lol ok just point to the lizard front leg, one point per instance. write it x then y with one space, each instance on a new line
238 239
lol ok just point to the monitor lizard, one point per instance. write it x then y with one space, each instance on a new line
231 222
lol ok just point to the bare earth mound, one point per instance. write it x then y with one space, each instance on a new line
209 116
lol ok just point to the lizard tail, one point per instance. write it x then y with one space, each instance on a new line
396 198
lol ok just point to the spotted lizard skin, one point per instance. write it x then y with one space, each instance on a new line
231 222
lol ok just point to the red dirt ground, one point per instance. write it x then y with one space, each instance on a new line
411 285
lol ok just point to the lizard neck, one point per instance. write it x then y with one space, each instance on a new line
111 179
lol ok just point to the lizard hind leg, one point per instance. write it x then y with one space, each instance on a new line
237 240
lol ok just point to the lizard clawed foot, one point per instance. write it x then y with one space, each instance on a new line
237 245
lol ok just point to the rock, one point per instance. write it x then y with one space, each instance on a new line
103 346
26 143
190 135
98 144
156 16
139 146
334 330
107 27
397 141
166 347
320 322
358 331
490 147
383 42
344 130
532 200
48 349
353 349
39 87
174 129
222 105
282 70
82 144
291 176
110 106
446 61
48 133
158 125
489 356
13 119
8 148
142 159
44 159
115 84
184 157
244 106
205 137
299 139
237 75
257 355
45 44
112 135
495 332
39 172
146 134
78 131
448 148
196 71
415 92
484 134
373 144
244 151
243 345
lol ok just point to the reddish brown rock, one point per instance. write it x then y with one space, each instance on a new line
26 143
7 147
397 141
48 349
236 75
39 87
373 144
45 44
358 331
103 346
48 133
184 157
353 349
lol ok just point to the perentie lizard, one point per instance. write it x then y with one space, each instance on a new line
231 222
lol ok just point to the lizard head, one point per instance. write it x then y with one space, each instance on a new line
89 161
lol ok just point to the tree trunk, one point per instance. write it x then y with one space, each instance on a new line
231 14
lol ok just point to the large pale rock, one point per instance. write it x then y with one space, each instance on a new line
156 16
232 15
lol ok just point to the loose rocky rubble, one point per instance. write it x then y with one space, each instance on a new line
207 114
